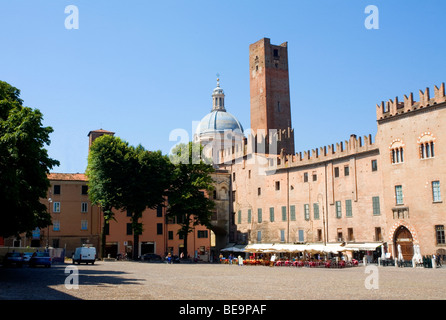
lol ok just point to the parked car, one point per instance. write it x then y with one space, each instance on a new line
151 257
84 254
40 259
27 256
13 258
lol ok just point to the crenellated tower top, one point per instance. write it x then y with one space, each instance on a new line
392 108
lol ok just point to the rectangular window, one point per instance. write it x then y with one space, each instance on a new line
56 225
374 165
314 177
338 209
249 174
307 212
249 215
202 234
84 225
259 215
159 211
439 230
271 214
399 194
319 234
233 176
277 185
282 235
293 213
56 207
436 191
284 213
239 217
129 213
84 207
346 170
340 237
350 234
84 190
259 191
129 229
56 189
159 228
301 236
306 177
376 207
336 172
378 234
170 235
259 236
316 211
348 208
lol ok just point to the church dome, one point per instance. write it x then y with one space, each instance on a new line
218 120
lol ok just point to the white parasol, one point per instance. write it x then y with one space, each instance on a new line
383 253
400 255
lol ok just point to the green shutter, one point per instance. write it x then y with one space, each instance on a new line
283 213
316 211
249 215
293 213
376 207
348 208
259 215
338 209
239 218
271 214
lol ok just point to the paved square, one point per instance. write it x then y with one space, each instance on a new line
159 281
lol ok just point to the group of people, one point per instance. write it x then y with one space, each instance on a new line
232 259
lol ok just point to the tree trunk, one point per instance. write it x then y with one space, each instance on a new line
103 239
135 245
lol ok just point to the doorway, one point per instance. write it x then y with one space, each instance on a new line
403 237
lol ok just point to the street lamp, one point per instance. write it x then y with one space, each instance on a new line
49 211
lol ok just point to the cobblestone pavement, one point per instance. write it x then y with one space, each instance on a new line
158 281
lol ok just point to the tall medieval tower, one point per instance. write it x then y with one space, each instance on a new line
270 92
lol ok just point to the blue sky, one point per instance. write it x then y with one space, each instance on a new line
144 68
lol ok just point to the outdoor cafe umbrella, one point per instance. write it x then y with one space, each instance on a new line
417 254
400 255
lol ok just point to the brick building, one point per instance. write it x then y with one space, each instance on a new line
362 192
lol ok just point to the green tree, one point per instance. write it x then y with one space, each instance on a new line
24 165
191 180
148 176
106 160
126 178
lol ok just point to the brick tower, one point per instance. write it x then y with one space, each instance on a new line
270 92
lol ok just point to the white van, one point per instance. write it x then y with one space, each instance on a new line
84 254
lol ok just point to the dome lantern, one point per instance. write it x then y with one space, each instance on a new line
218 98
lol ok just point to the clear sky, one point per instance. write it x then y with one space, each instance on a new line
144 68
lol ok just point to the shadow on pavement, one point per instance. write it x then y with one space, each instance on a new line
37 283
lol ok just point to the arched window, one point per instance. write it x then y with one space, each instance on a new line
397 151
426 143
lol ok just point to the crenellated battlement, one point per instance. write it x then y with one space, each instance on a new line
394 107
326 153
257 143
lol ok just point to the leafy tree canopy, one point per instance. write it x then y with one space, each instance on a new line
24 165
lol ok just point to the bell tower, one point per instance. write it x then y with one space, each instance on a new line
270 92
